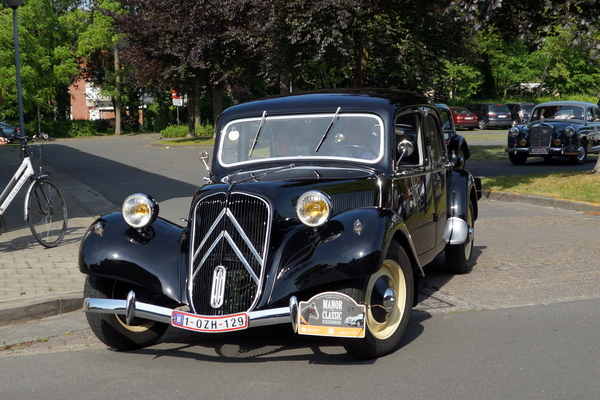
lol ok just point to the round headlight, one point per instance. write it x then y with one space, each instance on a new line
513 132
313 208
569 131
140 210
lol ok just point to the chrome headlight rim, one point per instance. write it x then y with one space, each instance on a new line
569 131
314 208
139 210
513 132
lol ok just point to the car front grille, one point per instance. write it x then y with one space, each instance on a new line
541 136
230 231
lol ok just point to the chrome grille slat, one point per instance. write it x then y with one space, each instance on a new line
230 230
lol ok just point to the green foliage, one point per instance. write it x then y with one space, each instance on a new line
74 128
174 131
180 131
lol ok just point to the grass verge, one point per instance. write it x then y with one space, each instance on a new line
574 185
188 141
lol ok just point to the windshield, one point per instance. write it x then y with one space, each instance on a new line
558 112
345 136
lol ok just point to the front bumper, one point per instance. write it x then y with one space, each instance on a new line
544 151
500 123
130 309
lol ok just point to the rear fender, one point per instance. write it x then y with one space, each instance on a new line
152 260
462 189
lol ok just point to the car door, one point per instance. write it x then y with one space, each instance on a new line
594 135
414 186
437 154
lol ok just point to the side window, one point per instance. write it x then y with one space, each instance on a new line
445 118
434 135
596 114
407 128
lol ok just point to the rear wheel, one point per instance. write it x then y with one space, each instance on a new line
481 124
458 256
47 213
112 329
517 159
388 298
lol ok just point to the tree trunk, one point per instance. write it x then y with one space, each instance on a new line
360 67
118 94
192 110
542 79
597 167
217 101
284 82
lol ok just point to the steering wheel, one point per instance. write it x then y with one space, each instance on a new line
356 146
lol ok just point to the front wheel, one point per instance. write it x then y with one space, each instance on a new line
581 156
111 329
47 213
517 159
388 298
458 256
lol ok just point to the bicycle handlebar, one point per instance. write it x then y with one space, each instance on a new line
12 137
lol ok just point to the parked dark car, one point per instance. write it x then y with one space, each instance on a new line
491 115
8 130
318 207
519 112
557 128
464 118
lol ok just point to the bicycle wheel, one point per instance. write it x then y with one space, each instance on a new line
47 213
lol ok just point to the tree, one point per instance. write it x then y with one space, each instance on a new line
181 45
46 38
98 54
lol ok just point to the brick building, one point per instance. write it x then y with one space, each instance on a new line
87 104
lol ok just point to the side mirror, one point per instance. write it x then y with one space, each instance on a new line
405 149
203 156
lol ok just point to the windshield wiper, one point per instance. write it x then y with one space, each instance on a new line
255 178
262 123
331 124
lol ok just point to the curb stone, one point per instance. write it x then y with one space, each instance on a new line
543 201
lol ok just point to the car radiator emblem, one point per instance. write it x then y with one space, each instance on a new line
218 287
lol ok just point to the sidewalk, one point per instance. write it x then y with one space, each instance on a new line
36 282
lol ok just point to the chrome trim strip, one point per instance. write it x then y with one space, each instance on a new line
152 312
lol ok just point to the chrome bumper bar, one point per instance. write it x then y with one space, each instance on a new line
130 308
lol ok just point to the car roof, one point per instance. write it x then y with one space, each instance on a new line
383 101
567 103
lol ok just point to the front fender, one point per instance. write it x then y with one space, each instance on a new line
311 259
113 249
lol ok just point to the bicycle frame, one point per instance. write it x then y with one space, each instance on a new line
24 173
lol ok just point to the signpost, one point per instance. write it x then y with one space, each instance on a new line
177 102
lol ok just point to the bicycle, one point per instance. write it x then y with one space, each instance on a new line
45 208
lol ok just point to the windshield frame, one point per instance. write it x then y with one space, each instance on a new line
230 134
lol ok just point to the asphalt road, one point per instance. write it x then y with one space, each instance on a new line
536 352
522 324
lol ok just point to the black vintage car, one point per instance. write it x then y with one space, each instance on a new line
318 208
557 128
